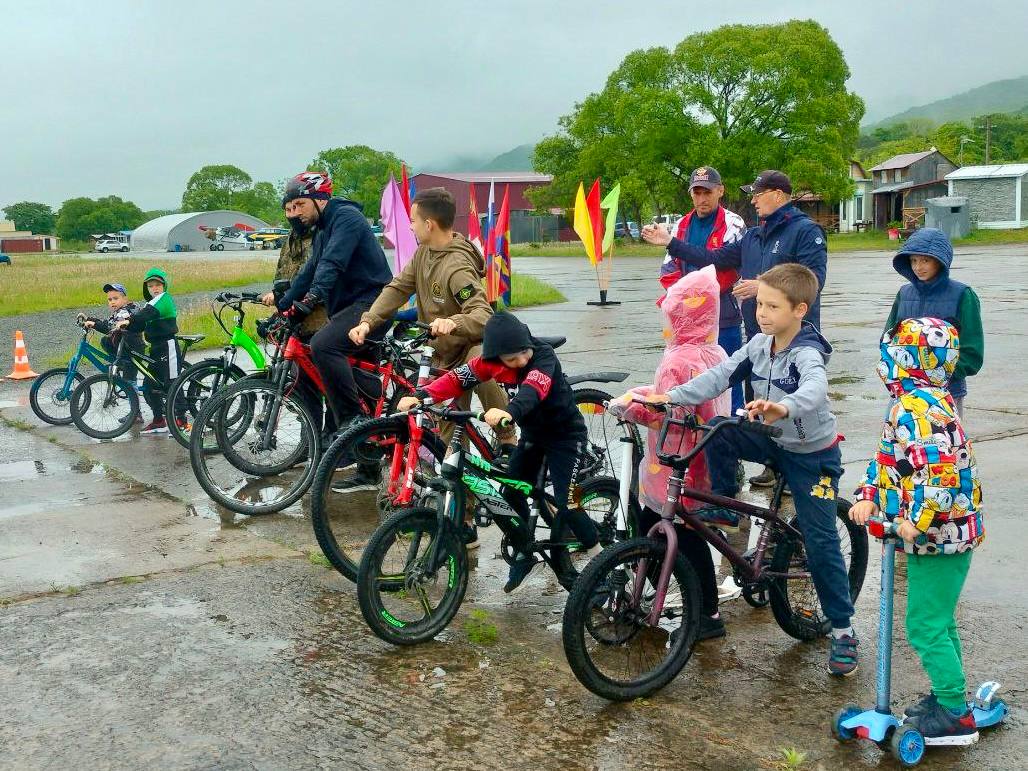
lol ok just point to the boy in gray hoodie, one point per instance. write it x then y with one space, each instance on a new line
786 366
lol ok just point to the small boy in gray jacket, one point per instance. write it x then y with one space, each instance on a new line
786 366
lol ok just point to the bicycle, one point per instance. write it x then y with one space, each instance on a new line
631 620
111 401
279 433
400 453
198 381
414 571
50 395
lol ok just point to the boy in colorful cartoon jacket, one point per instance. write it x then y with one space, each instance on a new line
924 475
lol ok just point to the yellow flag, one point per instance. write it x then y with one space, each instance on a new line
583 224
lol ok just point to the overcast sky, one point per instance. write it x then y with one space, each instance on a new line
130 98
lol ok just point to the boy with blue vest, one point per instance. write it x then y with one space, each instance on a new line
925 262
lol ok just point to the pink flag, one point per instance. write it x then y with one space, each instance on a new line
396 224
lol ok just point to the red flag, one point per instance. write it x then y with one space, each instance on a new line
474 228
592 202
405 189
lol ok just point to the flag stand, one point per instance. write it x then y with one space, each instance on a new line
603 280
603 302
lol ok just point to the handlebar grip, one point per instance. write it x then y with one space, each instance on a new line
760 428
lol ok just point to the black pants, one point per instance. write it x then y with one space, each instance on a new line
165 368
562 458
330 347
697 551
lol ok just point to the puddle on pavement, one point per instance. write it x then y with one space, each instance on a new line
20 402
20 470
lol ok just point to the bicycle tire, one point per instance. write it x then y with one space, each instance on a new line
795 617
42 388
210 468
327 506
579 618
184 389
229 439
371 589
82 404
600 434
590 490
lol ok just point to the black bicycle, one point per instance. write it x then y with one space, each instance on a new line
414 570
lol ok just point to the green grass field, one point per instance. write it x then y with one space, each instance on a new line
36 283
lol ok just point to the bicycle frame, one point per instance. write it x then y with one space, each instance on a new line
98 357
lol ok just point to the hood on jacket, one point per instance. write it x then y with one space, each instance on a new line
807 337
158 274
928 241
918 353
691 308
460 246
504 334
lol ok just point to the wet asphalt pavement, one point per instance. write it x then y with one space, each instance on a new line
141 626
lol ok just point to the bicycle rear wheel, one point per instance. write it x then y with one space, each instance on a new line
605 446
349 504
104 406
609 642
50 400
259 472
404 599
794 602
192 388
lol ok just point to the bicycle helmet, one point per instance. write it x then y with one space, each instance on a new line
308 184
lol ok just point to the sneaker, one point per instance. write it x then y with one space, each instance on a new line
842 661
941 728
719 517
765 478
358 482
519 571
710 628
926 704
155 426
469 535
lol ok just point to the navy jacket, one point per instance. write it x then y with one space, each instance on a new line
346 263
788 235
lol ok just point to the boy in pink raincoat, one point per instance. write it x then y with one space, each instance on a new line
691 315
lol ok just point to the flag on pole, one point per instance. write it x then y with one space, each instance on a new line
411 192
474 227
405 188
498 281
610 203
396 224
490 219
595 219
583 225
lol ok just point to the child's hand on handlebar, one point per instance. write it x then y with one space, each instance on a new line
907 531
655 399
87 324
407 402
442 327
494 416
121 324
268 298
770 411
357 335
862 511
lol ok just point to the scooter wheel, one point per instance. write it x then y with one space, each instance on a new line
844 713
907 746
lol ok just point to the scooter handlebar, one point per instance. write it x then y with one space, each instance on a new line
883 529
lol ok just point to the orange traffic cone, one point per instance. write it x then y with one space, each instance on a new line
22 370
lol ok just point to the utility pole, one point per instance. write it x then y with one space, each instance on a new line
988 137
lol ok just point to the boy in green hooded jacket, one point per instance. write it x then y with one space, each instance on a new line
156 320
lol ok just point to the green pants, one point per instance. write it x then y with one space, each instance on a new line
933 588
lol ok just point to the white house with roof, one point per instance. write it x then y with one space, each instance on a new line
997 194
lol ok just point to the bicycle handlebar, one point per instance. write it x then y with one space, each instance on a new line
689 421
458 416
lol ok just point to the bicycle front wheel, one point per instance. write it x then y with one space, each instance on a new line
192 388
412 577
50 400
349 501
610 644
260 471
104 407
605 445
794 601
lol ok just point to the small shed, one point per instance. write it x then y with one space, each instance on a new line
950 214
998 194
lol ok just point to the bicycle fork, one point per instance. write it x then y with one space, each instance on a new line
664 526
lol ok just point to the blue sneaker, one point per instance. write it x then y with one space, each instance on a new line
519 571
941 728
719 517
842 661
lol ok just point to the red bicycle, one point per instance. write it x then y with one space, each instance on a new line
255 445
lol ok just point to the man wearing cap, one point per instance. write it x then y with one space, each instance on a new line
711 225
345 272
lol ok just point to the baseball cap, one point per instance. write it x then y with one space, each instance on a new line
769 179
115 288
705 176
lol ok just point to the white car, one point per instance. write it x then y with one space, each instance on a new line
110 245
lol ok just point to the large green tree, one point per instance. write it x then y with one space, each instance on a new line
79 218
359 173
32 216
262 201
741 98
212 187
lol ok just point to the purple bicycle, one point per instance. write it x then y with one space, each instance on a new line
632 618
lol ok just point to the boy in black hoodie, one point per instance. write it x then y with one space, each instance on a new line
552 428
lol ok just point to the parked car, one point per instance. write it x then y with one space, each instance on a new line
110 245
669 221
377 230
620 232
5 259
